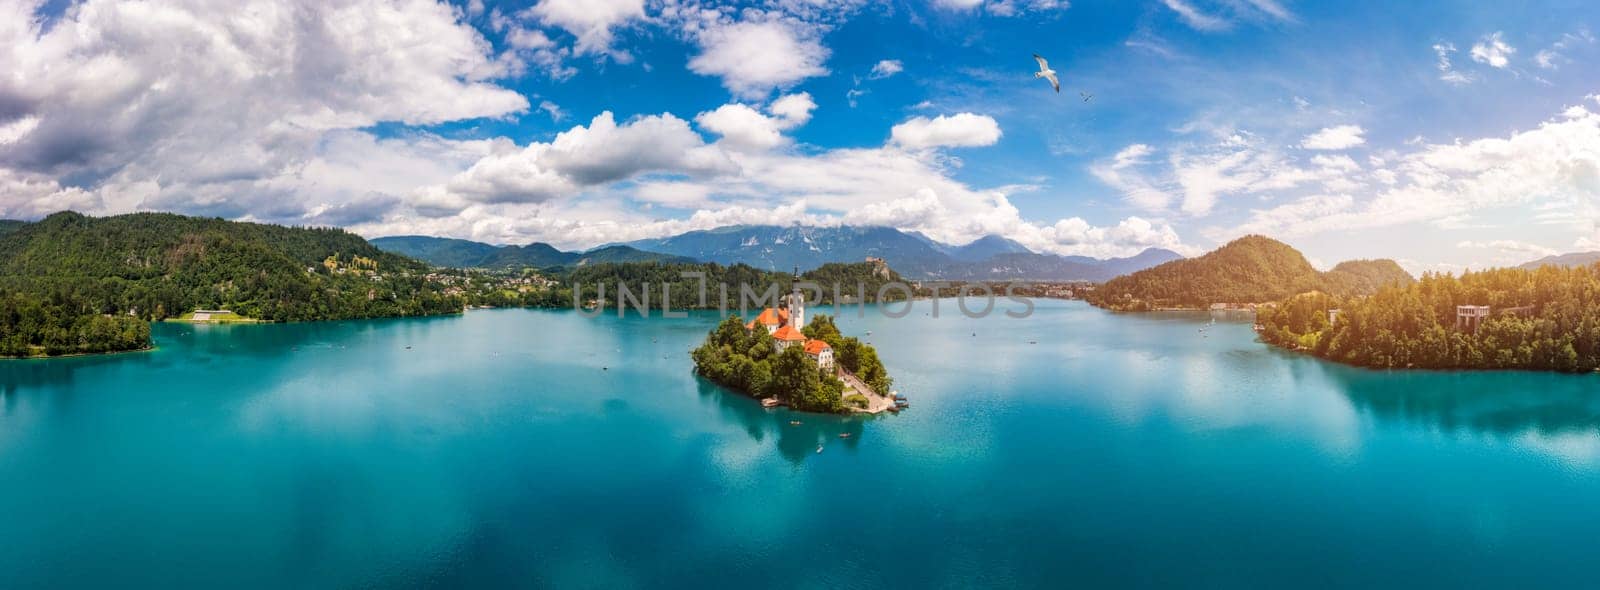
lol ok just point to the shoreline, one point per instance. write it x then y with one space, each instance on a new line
150 348
1307 353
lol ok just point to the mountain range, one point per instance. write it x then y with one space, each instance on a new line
781 248
1569 259
469 254
911 254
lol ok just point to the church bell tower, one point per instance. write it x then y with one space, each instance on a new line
797 303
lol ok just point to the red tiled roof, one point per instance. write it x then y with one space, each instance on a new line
788 333
815 347
772 316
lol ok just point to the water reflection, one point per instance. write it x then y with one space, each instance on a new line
1499 402
795 442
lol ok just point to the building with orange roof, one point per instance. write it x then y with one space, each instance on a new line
786 336
771 318
785 321
822 352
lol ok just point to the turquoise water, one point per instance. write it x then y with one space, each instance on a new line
539 448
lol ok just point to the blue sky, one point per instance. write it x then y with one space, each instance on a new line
1445 134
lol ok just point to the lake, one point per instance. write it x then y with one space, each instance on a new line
545 449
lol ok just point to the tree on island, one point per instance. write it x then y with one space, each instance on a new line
859 358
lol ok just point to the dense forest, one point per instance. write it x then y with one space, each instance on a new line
1249 270
748 361
58 274
666 278
1542 319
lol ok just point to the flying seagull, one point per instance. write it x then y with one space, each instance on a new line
1086 96
1046 73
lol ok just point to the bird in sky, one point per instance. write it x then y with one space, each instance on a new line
1046 73
1086 96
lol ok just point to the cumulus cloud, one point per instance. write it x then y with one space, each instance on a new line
581 157
958 130
183 107
1493 50
591 21
744 127
908 189
753 58
1340 137
192 107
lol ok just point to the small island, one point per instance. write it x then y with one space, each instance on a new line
781 359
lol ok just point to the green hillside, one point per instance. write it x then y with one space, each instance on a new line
59 273
1364 277
1249 270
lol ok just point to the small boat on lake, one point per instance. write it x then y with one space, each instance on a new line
819 448
844 435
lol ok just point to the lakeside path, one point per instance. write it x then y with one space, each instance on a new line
876 403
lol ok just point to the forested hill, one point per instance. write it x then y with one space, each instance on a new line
1252 269
469 254
1543 319
59 273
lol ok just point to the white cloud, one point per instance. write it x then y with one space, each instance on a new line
553 109
224 108
1555 166
1555 56
743 127
1003 8
1340 137
1447 71
591 21
1195 18
1511 247
1119 173
540 198
1493 50
581 157
958 130
794 109
1236 163
753 58
1546 59
886 68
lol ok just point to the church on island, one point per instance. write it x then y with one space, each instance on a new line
784 324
